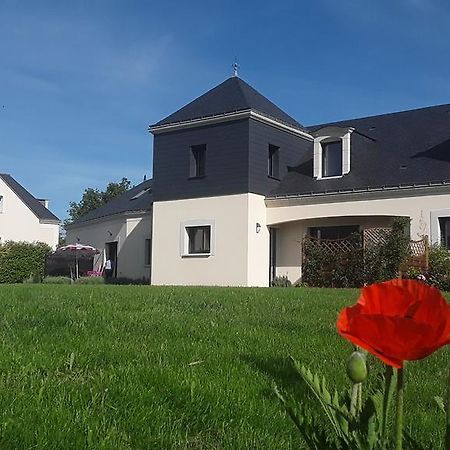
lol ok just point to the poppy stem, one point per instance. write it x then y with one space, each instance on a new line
388 379
447 428
399 411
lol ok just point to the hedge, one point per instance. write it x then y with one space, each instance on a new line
21 260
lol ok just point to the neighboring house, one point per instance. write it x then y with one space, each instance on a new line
238 183
24 217
122 230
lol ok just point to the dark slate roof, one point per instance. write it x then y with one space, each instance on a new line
397 149
123 203
38 209
234 94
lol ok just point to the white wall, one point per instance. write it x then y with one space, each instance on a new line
130 234
19 223
240 256
420 209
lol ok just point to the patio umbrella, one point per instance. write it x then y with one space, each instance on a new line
79 250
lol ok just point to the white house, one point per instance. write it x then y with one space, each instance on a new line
24 217
237 184
122 229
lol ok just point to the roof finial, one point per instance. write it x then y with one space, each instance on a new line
235 68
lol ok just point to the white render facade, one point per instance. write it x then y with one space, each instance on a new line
23 218
128 232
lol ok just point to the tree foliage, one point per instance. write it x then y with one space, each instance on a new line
94 198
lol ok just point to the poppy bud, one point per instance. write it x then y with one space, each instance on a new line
356 367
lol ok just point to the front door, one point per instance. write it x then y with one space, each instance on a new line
111 254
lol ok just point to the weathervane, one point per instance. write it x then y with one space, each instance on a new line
235 68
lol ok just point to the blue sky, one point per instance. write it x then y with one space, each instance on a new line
81 81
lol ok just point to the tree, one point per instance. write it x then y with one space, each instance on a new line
94 198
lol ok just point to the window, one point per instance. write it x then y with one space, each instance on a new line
197 164
337 232
444 225
1 203
148 252
141 193
332 159
274 161
199 239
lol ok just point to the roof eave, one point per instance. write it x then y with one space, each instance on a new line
410 190
231 116
126 214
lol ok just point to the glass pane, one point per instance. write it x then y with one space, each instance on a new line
199 239
332 159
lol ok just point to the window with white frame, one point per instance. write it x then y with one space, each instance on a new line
1 203
331 152
197 238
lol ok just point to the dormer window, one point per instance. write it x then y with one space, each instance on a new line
332 159
331 152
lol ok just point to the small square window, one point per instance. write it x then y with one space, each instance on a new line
197 162
274 162
199 239
332 159
148 252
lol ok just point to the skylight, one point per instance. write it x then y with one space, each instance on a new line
141 193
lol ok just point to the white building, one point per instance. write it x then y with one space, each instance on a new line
24 217
122 229
238 183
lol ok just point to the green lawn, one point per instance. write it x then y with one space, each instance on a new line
131 367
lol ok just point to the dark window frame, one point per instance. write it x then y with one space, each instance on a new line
199 244
197 161
148 252
333 232
273 162
328 159
444 226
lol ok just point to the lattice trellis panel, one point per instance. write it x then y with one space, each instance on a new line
375 236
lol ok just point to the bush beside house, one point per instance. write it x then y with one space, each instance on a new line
21 260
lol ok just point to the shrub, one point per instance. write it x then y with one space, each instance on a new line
57 280
21 261
281 282
349 264
439 267
90 280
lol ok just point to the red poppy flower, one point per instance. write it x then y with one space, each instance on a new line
397 320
